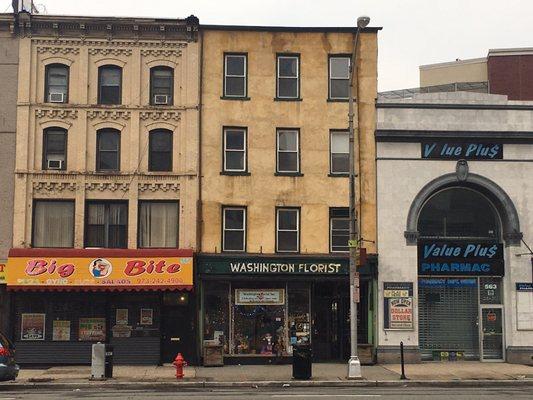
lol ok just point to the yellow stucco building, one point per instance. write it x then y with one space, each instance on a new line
274 189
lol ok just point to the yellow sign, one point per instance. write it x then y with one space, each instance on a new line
100 272
2 273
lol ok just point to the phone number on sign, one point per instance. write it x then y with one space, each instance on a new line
143 281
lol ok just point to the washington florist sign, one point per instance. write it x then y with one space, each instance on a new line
460 258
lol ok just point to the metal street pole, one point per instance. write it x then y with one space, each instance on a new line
354 365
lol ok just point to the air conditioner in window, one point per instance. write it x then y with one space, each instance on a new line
57 97
54 164
161 99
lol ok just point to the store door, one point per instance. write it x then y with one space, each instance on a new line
492 333
177 330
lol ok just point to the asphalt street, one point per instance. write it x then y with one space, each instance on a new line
282 393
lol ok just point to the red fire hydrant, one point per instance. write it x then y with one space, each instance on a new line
179 363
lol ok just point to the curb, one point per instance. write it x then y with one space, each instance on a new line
168 386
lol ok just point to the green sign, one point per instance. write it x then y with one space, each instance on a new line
272 266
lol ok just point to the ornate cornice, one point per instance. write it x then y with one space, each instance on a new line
111 186
160 115
109 114
53 186
159 186
161 53
106 51
58 50
126 44
56 113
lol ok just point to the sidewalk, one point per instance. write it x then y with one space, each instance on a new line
431 373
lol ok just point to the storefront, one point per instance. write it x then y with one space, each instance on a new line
64 300
259 307
454 234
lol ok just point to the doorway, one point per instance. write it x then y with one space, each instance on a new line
491 334
177 327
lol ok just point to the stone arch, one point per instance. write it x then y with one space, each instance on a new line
510 223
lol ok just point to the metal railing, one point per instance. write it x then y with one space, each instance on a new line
477 87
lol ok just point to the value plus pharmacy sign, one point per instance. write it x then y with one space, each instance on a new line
462 150
460 258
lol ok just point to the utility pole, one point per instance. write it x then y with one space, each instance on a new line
354 365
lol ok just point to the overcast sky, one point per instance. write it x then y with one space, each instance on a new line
415 32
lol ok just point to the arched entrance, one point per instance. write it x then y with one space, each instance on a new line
459 286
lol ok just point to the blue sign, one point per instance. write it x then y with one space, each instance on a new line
524 286
460 258
447 282
439 150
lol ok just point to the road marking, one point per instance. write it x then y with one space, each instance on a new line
325 395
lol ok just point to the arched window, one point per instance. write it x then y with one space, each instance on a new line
160 153
109 84
56 83
108 150
55 148
459 213
161 86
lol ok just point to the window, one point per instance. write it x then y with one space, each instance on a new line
287 230
288 77
235 75
106 224
53 223
161 85
339 77
56 83
158 224
108 150
288 158
234 229
339 229
340 153
459 212
109 84
160 154
235 157
55 148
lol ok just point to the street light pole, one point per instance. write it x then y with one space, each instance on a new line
354 365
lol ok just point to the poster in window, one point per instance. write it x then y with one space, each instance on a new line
398 305
122 316
32 327
60 330
147 316
92 329
259 297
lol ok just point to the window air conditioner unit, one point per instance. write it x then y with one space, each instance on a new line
57 97
161 99
54 164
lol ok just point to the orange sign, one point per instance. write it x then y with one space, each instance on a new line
100 272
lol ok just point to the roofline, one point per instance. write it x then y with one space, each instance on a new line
96 18
452 63
511 51
258 28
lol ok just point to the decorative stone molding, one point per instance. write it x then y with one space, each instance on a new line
112 51
108 114
111 186
159 186
161 53
56 113
160 115
58 50
53 186
112 43
411 237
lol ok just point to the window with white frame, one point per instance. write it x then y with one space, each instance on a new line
288 157
339 77
339 229
288 74
234 229
235 75
288 230
235 157
339 153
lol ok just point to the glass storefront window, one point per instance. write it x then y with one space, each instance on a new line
216 314
299 316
